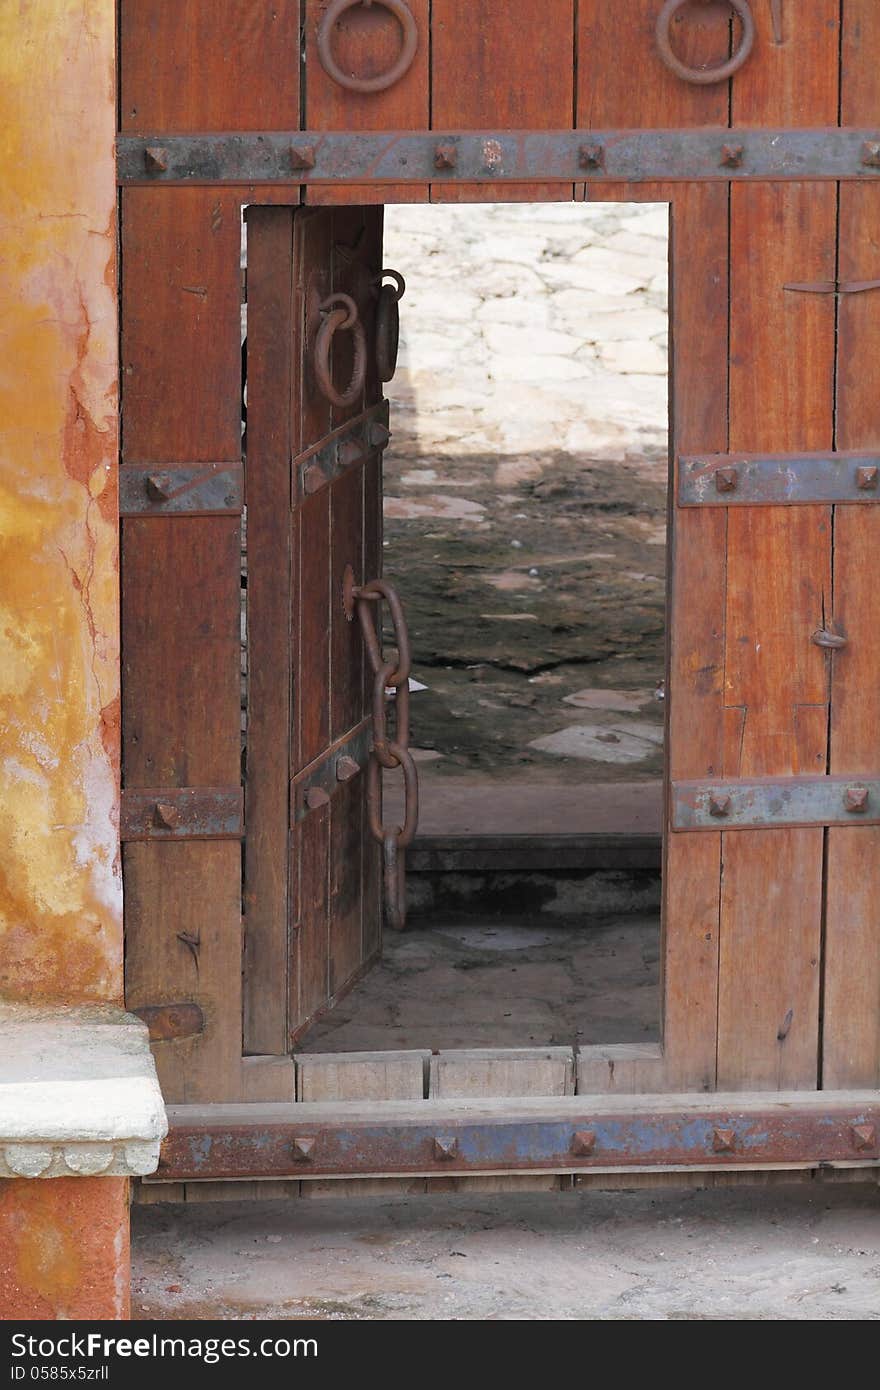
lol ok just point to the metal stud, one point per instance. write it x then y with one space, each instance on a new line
719 804
591 156
732 156
867 477
726 479
445 156
302 156
377 435
583 1142
155 159
350 450
301 1148
157 487
346 768
166 816
856 799
316 797
445 1147
313 479
871 154
864 1137
723 1141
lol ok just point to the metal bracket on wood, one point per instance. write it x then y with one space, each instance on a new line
351 444
742 480
316 785
766 803
562 1134
181 489
497 156
182 813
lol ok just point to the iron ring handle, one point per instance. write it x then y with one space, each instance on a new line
388 323
403 63
343 317
704 76
831 641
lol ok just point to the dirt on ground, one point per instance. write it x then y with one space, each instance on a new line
525 486
806 1252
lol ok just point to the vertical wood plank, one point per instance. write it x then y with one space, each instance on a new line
180 617
502 67
794 83
776 681
851 1004
366 41
621 80
312 690
197 66
267 773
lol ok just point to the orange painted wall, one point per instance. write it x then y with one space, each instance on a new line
60 885
63 1242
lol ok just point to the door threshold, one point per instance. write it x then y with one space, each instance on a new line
562 1134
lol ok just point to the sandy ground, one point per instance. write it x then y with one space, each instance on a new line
795 1252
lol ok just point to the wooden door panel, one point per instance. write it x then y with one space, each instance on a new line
851 1002
180 620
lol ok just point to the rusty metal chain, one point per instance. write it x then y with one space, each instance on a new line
704 76
409 47
388 752
339 313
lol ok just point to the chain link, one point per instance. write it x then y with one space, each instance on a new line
389 752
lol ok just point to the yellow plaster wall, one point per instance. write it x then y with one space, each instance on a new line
60 883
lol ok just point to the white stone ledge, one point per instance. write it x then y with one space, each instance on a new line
78 1094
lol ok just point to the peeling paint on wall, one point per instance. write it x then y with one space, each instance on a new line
60 882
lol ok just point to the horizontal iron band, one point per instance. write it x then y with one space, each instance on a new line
739 804
566 1133
193 489
327 774
346 447
565 156
182 813
742 480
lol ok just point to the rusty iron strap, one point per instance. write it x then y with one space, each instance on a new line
180 489
563 1133
182 813
766 802
548 156
316 785
347 446
385 752
836 287
742 480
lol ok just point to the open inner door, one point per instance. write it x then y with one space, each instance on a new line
316 425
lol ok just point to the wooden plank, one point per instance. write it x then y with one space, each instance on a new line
500 67
192 66
794 83
851 1001
622 82
361 1075
625 1068
346 639
366 41
313 270
311 696
267 770
309 979
511 1071
180 617
268 1078
181 302
776 680
347 830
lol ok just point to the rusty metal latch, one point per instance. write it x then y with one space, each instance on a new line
388 752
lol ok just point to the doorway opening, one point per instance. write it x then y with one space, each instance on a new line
525 499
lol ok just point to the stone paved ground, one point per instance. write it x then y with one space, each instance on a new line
526 484
798 1253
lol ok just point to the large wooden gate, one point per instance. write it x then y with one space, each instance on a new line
771 953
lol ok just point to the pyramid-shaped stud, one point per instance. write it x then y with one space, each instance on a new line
583 1143
302 1147
864 1137
155 159
723 1141
166 816
445 1147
